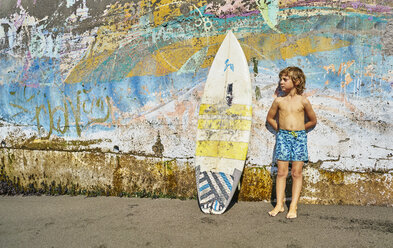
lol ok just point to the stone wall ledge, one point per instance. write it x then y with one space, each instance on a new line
93 173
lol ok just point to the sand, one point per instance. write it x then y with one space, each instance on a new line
65 221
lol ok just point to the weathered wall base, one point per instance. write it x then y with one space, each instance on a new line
92 173
25 171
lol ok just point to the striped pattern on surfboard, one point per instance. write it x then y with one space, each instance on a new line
214 189
236 120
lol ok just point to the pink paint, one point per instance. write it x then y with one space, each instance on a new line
369 7
231 8
229 15
19 19
26 66
31 85
355 4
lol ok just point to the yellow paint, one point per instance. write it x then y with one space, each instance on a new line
224 124
166 10
171 58
222 149
236 109
108 40
305 46
86 66
271 46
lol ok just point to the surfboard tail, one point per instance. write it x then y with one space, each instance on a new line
216 190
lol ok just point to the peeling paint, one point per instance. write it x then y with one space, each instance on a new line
125 79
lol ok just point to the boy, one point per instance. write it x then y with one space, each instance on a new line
291 143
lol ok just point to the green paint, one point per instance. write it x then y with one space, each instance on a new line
24 95
66 123
19 107
269 10
194 63
255 63
76 111
257 93
55 125
104 119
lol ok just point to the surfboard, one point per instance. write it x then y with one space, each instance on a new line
224 124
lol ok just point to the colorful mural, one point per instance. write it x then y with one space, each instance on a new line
122 72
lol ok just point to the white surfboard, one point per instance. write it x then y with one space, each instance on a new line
224 125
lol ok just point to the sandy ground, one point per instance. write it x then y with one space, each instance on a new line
65 221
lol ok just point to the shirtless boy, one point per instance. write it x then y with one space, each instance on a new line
291 144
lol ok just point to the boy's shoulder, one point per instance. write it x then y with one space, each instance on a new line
304 100
278 98
303 97
298 98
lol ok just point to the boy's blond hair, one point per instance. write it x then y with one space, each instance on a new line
297 76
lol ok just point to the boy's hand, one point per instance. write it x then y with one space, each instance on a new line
271 115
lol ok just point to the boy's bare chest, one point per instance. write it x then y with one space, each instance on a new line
291 106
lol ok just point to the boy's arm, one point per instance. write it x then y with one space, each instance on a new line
271 115
312 118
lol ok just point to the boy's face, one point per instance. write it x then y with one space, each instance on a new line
286 83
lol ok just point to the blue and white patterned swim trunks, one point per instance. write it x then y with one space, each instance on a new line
291 145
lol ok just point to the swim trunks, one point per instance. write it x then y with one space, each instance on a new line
291 145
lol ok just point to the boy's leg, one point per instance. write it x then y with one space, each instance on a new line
297 181
281 180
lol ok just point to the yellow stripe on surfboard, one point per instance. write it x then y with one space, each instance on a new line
222 149
235 109
219 124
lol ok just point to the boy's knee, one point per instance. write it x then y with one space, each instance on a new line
296 174
282 173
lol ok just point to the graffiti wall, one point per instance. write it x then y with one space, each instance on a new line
127 76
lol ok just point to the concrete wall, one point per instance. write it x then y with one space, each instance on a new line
101 96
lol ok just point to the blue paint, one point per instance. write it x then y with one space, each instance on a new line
85 102
227 64
316 75
33 88
224 177
204 187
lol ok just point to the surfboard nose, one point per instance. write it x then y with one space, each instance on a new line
230 35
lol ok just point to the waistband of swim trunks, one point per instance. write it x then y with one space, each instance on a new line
288 131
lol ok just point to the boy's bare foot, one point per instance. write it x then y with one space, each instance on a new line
276 211
292 214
